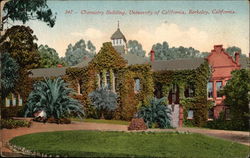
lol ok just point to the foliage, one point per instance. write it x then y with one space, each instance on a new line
156 112
182 78
238 97
52 97
75 54
232 50
103 100
9 74
18 41
226 124
87 79
21 46
10 123
126 144
107 58
13 111
23 10
134 47
200 107
137 124
164 52
129 99
49 57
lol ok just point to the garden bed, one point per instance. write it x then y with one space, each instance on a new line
128 144
13 123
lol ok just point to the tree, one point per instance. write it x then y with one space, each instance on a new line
19 42
232 50
52 97
91 47
156 112
23 10
103 99
75 54
9 74
134 47
237 98
164 52
49 57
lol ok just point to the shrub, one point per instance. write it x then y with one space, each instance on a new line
156 112
222 123
238 97
52 96
103 100
137 124
8 112
10 123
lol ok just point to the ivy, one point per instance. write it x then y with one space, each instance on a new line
182 78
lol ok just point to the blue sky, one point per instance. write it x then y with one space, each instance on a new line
198 31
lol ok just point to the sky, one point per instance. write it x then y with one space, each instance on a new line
197 24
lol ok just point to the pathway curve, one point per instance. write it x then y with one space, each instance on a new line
8 134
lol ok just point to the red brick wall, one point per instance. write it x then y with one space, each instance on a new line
222 65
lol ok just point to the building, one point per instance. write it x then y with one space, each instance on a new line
222 65
135 79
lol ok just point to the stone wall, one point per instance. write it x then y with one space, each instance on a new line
175 114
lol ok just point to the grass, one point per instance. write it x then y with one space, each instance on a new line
130 144
118 122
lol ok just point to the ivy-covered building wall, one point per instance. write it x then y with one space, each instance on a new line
187 88
109 69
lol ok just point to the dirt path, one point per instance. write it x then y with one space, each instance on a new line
8 134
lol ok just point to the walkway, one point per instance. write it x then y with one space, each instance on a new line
8 134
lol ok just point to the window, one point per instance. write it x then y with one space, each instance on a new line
108 80
116 81
218 88
7 102
190 114
101 82
189 91
14 100
20 101
210 89
137 85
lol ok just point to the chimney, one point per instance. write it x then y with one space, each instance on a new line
237 57
218 48
59 65
152 55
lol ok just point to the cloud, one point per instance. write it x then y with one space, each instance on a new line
93 33
89 33
174 35
77 34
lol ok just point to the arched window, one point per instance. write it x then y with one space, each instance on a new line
108 80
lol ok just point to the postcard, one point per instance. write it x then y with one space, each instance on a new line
130 78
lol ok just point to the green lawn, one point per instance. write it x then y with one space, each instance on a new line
129 144
118 122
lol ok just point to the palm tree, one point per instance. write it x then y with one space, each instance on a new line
52 97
